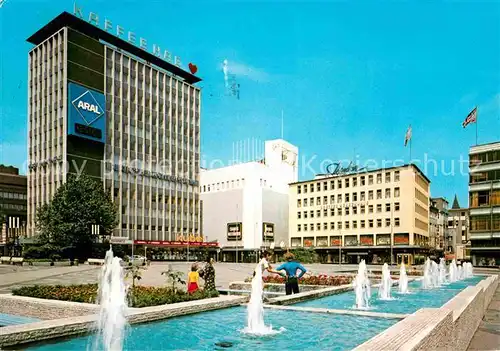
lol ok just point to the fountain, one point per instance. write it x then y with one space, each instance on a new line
112 297
460 272
453 271
384 291
431 275
468 270
435 274
403 279
427 280
442 271
362 287
255 308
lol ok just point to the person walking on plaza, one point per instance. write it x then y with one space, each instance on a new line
208 274
292 279
193 278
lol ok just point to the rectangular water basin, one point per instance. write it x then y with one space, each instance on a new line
203 331
9 319
401 303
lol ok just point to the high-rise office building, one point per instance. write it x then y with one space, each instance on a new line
127 116
484 204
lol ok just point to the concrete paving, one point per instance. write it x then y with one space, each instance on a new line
487 336
16 276
24 274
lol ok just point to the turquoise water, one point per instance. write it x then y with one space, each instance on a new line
402 303
304 331
9 319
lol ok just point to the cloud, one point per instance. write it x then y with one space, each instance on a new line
244 70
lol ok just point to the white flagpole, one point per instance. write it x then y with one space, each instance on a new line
410 147
477 119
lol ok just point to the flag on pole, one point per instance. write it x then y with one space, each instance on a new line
408 135
471 118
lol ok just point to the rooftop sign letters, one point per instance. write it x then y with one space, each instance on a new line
119 31
337 169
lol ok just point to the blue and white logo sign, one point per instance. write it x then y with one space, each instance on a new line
87 113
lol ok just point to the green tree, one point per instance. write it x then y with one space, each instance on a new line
305 255
67 220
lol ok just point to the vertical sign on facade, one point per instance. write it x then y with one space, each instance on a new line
234 231
86 113
267 231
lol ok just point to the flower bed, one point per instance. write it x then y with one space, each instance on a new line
139 296
322 279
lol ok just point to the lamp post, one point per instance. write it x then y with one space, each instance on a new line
240 232
392 232
14 232
340 236
187 256
96 230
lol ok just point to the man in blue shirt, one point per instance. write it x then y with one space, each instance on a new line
292 279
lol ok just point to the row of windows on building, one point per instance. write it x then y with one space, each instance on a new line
171 93
482 177
348 198
228 184
49 48
348 225
12 195
485 223
347 211
154 228
484 198
152 78
347 182
138 102
14 207
485 157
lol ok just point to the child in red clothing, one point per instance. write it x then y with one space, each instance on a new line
193 278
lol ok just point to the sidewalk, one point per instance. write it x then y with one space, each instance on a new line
487 336
35 275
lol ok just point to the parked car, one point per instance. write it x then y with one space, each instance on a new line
138 260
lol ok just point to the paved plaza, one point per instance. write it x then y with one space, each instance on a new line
487 336
16 276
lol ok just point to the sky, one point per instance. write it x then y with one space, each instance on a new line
349 77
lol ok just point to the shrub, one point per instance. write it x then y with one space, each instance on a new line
143 296
42 251
322 279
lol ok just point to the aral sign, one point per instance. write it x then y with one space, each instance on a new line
120 32
86 113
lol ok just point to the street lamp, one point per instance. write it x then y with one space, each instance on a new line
96 231
14 232
392 231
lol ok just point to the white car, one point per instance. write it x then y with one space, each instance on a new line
138 260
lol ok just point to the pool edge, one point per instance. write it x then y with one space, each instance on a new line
450 327
23 334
